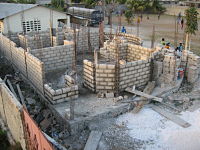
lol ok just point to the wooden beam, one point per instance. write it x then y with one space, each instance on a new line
136 92
93 140
11 88
171 116
21 96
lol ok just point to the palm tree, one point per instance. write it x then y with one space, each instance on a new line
191 15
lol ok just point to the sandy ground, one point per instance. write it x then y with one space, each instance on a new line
164 27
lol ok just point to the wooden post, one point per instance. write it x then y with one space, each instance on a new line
153 37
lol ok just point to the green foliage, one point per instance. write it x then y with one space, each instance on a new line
20 1
129 16
191 15
58 4
3 140
89 3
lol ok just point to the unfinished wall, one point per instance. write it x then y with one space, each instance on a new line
132 39
27 64
82 37
105 77
135 52
193 68
57 57
70 91
135 73
89 75
35 40
10 111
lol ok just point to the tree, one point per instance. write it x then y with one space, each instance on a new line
58 4
191 16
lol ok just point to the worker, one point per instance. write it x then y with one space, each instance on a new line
138 20
123 29
167 45
182 23
180 47
163 42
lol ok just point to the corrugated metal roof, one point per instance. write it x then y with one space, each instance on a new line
8 9
42 2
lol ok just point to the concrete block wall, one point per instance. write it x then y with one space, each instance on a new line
135 52
132 39
82 38
134 73
89 75
193 68
110 49
10 112
35 40
36 72
26 63
61 95
105 77
57 57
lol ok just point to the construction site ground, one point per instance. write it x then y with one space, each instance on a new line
146 130
164 28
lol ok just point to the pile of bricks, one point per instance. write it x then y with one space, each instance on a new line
134 73
61 95
89 75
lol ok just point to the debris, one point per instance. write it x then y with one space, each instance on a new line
45 124
21 96
110 95
171 116
30 101
93 140
11 88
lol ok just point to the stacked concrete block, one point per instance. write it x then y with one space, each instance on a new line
69 81
134 73
35 40
135 52
61 95
169 68
59 36
129 37
36 72
157 69
89 75
193 68
57 57
82 37
105 77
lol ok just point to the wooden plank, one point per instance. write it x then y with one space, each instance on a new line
136 92
93 140
11 88
21 96
143 100
171 116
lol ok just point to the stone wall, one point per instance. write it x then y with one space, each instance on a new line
70 91
10 112
57 57
135 73
89 75
30 66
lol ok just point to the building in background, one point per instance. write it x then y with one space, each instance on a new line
30 17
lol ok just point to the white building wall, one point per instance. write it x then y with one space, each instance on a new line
41 13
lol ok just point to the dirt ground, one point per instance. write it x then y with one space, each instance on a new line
164 28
